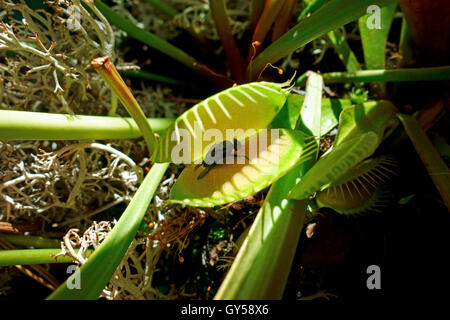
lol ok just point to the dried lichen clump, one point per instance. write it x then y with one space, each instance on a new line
45 66
62 188
45 57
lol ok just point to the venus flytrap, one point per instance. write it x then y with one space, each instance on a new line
269 153
361 189
361 130
345 179
262 265
225 111
232 182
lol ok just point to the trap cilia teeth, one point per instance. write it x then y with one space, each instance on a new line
362 189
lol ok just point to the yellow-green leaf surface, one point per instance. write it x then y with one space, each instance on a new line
230 182
245 108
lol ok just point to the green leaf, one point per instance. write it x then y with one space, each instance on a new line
309 120
336 38
374 41
436 167
362 127
329 17
331 110
287 117
310 8
96 272
343 50
261 267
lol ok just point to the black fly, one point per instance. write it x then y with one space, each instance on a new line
218 155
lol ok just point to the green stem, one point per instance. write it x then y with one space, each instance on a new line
31 241
164 7
436 167
31 256
152 77
24 125
392 75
